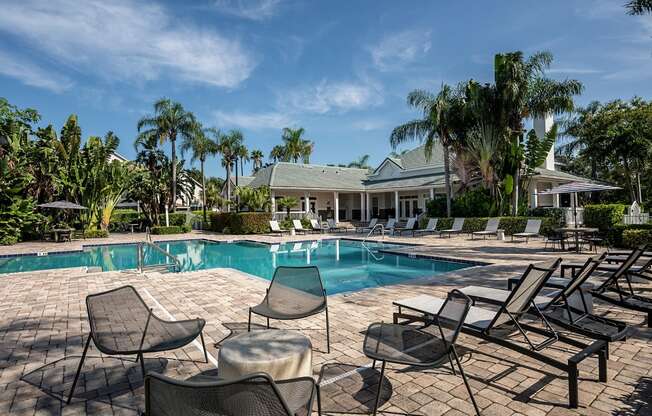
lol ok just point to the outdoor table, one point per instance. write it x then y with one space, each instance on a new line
132 225
61 234
280 353
576 231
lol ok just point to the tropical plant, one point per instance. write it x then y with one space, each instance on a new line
287 203
278 154
255 199
243 156
169 120
257 159
295 146
201 147
227 145
361 163
639 7
213 190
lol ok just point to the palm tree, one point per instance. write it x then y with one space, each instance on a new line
361 163
257 159
169 120
278 154
439 112
243 155
639 7
295 146
201 147
227 145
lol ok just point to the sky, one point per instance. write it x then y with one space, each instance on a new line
339 69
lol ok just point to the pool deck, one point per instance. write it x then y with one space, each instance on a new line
43 322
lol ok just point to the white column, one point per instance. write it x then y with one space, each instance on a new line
535 197
273 204
396 202
306 195
555 197
432 193
368 207
336 200
362 210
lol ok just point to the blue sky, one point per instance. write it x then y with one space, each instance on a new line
340 69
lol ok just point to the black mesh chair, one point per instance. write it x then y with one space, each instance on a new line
409 345
295 293
122 324
253 395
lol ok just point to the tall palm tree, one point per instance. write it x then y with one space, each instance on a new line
439 112
169 120
278 154
361 163
243 156
201 147
295 146
227 145
639 7
257 159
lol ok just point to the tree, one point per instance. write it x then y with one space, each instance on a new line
257 159
287 203
278 154
201 147
243 155
437 123
169 120
255 199
295 147
361 163
213 189
639 7
227 146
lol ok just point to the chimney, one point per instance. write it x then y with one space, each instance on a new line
541 127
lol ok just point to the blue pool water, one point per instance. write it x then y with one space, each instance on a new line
345 265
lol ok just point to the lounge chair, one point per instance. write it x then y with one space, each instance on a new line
390 225
411 346
566 307
275 228
490 229
494 326
122 324
368 227
252 395
532 228
294 293
409 227
431 228
298 227
335 227
458 224
316 226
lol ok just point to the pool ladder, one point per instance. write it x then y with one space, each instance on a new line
382 232
175 264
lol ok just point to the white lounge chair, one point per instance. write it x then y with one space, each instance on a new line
458 224
409 227
390 225
368 227
490 229
431 227
333 226
276 229
532 229
298 227
316 226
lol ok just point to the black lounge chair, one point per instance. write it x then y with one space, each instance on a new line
558 308
411 346
294 293
122 324
498 326
253 395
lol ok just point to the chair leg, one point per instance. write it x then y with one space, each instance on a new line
249 322
380 387
318 392
203 345
81 362
142 364
466 383
267 323
328 333
373 365
450 360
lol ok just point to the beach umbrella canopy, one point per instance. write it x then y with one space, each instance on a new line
62 205
576 187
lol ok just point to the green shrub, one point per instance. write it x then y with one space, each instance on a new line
472 203
615 235
636 237
604 216
511 225
436 208
173 229
249 222
126 216
218 220
556 213
287 224
96 234
177 218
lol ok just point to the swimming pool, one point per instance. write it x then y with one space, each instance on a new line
345 265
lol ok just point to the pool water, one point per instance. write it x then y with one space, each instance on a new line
345 265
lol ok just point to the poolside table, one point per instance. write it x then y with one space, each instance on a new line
576 231
61 234
282 354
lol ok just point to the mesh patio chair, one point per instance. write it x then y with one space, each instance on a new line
490 229
458 225
408 345
122 324
253 395
294 293
532 229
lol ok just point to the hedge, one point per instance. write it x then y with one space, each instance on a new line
604 216
240 222
636 237
96 234
287 224
126 216
615 235
176 218
511 225
173 229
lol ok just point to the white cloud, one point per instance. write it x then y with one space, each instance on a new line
396 51
249 9
571 70
126 39
31 74
329 96
370 124
253 121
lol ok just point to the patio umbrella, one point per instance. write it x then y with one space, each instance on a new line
62 205
574 188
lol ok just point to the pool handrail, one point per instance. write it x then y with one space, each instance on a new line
382 231
175 262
